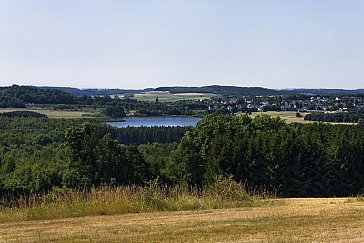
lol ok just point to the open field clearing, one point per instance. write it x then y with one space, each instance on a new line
287 220
54 113
290 117
165 96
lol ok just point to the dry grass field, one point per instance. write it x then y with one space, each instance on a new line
290 117
52 113
283 220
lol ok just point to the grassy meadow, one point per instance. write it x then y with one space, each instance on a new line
281 220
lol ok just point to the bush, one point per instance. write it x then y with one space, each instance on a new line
226 188
115 111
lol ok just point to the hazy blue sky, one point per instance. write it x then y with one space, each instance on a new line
137 44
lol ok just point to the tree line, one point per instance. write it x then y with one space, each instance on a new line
352 117
144 135
21 114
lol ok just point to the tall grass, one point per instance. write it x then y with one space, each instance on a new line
64 203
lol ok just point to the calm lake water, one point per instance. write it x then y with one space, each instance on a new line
149 121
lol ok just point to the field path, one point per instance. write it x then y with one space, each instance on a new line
283 220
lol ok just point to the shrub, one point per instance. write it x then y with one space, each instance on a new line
226 188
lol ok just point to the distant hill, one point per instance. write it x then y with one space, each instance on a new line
234 90
82 92
18 96
221 90
321 91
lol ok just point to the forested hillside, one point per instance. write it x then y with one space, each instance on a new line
88 92
38 154
19 96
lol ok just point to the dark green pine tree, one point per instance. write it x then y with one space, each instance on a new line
82 141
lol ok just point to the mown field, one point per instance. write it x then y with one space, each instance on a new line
54 113
290 117
283 220
164 96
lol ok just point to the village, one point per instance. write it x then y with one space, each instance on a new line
299 103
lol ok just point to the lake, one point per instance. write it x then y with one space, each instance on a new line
150 121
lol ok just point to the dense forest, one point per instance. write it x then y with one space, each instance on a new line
19 96
15 131
35 155
38 154
297 159
144 135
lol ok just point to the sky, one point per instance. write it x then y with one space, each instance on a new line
151 43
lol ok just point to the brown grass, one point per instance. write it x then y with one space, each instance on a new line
283 220
65 203
54 113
